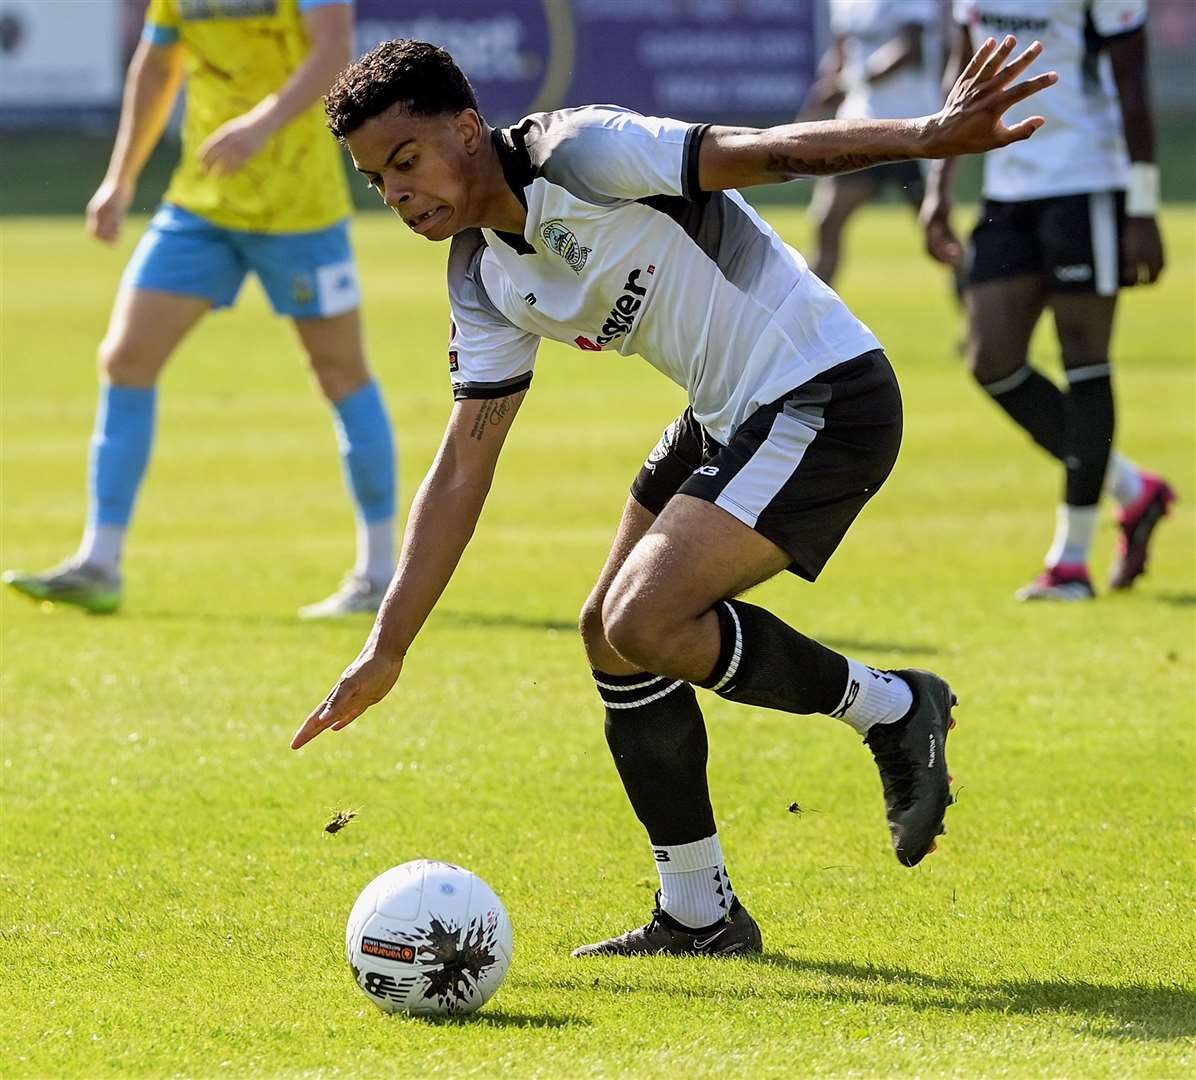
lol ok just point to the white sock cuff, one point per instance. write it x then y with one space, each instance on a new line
375 550
1075 527
1123 480
103 545
872 697
683 858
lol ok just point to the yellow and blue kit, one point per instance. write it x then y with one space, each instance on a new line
284 213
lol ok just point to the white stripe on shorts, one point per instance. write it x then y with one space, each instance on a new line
1102 220
758 482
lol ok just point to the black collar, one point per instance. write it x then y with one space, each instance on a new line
517 171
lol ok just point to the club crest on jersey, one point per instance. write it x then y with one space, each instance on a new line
560 240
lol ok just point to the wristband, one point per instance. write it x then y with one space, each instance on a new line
1142 195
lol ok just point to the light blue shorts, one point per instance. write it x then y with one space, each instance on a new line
308 275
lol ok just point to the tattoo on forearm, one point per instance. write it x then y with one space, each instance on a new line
491 414
792 168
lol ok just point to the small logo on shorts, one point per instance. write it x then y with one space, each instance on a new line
707 470
303 290
1078 272
661 450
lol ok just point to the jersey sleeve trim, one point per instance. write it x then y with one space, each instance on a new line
482 391
162 36
690 188
307 5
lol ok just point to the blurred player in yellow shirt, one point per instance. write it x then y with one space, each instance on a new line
259 187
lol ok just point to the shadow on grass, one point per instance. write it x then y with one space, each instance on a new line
1135 1011
485 620
1131 1012
360 621
503 621
897 648
235 618
502 1018
1178 599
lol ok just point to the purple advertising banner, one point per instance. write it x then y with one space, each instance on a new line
742 60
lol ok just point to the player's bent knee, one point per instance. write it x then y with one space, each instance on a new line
589 622
988 364
339 376
633 631
123 364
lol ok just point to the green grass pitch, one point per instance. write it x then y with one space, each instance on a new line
171 906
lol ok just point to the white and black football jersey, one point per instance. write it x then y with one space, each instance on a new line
865 26
621 250
1081 148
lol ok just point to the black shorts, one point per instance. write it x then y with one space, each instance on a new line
1073 241
799 470
906 176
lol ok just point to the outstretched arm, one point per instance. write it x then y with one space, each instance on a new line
330 29
442 519
1142 245
968 123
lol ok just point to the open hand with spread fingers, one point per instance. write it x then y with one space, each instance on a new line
971 120
365 682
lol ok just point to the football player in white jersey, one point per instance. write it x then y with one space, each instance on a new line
884 61
609 230
1065 223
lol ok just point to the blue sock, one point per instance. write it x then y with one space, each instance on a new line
368 450
120 450
367 447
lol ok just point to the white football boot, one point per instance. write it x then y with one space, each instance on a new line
357 595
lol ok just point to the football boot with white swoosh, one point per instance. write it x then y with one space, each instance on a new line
736 935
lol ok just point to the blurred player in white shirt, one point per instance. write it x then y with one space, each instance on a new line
1065 224
883 63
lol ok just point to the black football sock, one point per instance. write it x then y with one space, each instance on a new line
1035 404
657 736
1089 428
764 661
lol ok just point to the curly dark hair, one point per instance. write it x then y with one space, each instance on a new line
421 77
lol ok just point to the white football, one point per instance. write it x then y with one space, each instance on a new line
428 938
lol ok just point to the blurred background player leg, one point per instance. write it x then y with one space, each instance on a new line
363 429
312 278
1040 240
145 328
883 61
835 199
1075 427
